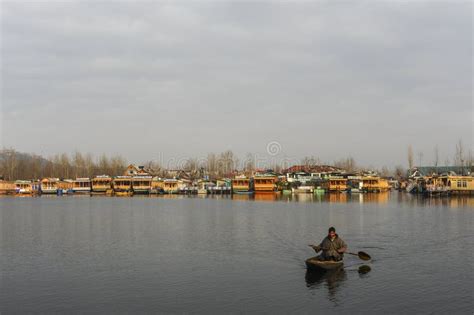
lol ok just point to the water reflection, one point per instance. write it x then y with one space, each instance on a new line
364 269
266 196
453 201
331 279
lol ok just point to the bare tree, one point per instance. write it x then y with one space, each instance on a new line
459 155
103 165
420 158
446 161
65 165
436 157
470 160
249 164
227 163
310 161
399 172
410 157
192 168
117 165
9 163
347 164
384 172
211 165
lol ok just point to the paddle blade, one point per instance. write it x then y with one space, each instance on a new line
364 256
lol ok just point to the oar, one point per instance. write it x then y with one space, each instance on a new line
362 255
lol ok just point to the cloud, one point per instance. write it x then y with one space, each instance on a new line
326 78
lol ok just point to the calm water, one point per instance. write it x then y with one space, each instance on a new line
191 254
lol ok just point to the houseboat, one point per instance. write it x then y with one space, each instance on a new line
102 184
157 185
223 186
204 187
170 186
23 187
186 187
49 185
264 184
81 185
141 184
122 186
460 184
7 188
65 186
335 184
374 184
241 185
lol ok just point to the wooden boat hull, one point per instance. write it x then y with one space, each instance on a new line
315 264
123 193
243 192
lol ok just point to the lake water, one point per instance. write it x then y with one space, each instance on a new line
221 254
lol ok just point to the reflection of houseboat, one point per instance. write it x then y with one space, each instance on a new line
265 184
170 186
23 187
141 184
241 185
122 186
102 184
81 185
303 189
334 184
49 185
374 184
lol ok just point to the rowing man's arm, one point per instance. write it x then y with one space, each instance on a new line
343 247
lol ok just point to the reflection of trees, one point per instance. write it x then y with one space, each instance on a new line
332 279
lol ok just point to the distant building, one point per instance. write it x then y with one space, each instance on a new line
421 171
321 169
306 173
133 170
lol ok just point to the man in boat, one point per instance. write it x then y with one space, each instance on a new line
333 247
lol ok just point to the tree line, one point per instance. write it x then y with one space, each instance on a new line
16 165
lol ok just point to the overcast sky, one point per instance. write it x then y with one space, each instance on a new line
153 80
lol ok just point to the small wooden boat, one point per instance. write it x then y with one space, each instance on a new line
315 264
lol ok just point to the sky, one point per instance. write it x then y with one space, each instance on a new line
282 80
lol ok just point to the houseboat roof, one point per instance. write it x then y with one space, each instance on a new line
142 177
460 176
170 180
240 177
102 176
21 181
82 179
50 179
313 169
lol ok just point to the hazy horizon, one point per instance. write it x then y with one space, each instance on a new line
160 80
